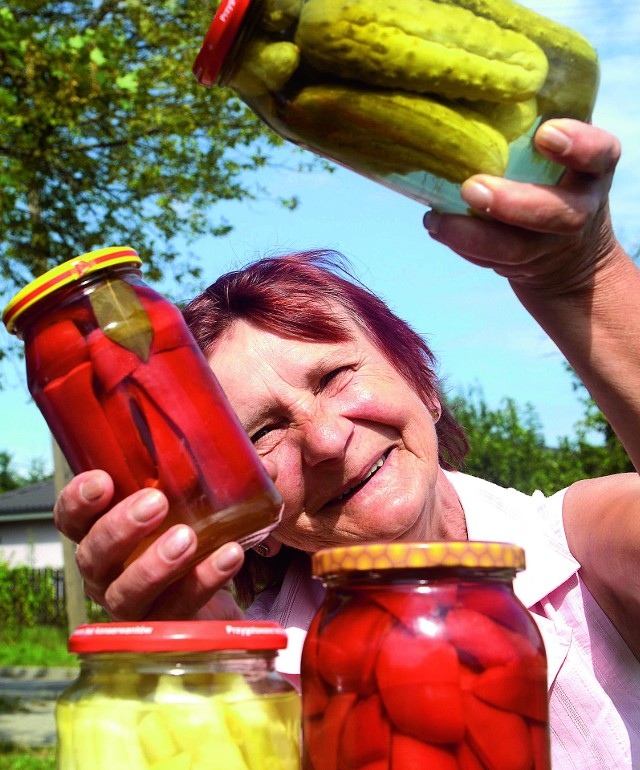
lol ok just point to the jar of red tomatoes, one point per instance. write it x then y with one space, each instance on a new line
123 386
422 657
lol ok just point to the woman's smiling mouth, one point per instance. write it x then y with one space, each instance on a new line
371 472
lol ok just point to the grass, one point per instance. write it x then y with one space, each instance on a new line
37 646
12 758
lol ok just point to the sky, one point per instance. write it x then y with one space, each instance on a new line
482 336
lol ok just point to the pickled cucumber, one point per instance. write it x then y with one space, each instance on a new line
423 47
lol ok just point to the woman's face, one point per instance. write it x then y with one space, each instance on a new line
354 447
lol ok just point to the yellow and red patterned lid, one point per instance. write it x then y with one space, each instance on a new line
473 554
64 274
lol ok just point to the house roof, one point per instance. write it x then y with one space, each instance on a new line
33 501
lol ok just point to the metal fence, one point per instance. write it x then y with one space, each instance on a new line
30 596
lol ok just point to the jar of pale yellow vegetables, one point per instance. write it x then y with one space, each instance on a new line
186 695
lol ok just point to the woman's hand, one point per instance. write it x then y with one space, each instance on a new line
147 588
546 239
557 248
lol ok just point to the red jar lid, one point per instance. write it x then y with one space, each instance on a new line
219 39
178 636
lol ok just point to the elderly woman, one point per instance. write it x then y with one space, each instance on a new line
341 402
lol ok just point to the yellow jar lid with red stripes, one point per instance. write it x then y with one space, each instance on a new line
64 274
473 554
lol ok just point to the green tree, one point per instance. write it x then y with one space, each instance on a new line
37 471
10 478
508 447
106 137
507 442
596 443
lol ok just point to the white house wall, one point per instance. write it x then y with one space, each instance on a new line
37 544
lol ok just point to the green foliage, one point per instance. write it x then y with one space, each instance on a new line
28 598
12 479
8 477
13 758
509 449
507 444
23 600
106 137
35 646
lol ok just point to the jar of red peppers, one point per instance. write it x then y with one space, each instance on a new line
422 657
123 386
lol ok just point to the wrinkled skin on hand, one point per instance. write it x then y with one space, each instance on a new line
551 240
147 588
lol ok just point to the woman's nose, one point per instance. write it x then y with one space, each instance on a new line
325 438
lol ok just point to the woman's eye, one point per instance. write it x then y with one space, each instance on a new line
333 374
261 433
274 432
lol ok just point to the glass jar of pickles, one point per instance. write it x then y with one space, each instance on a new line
417 95
187 695
424 649
123 386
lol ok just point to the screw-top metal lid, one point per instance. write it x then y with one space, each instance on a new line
219 39
178 636
387 556
64 274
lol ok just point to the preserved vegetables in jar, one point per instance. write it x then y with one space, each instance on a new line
187 695
123 386
417 95
421 656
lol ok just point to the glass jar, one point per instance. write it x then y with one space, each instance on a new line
123 386
187 695
416 95
424 649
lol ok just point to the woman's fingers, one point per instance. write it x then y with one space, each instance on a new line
81 502
589 155
149 588
562 210
548 237
206 586
578 146
116 535
160 583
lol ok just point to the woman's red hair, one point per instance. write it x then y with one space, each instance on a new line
296 295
